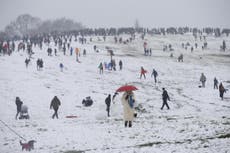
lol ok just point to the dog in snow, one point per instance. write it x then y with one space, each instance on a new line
28 146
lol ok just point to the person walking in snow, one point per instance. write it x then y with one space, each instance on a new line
192 49
64 49
101 68
120 64
222 91
154 73
77 51
95 48
27 62
203 79
113 64
55 52
108 102
215 83
143 71
18 103
224 45
71 51
55 103
49 51
128 100
38 64
41 63
61 67
84 52
150 52
165 97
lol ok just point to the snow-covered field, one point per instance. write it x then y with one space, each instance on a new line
198 121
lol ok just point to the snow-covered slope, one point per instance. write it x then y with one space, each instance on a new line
198 120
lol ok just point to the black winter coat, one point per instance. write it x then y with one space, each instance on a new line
19 103
55 103
165 95
108 101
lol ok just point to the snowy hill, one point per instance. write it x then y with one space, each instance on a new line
198 120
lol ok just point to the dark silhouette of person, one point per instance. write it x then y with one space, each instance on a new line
165 97
18 103
108 102
215 83
222 91
55 103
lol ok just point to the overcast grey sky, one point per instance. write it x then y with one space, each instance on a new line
117 13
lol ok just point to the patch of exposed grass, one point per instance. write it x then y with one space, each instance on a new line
224 136
73 151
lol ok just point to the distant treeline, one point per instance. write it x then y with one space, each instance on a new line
28 26
157 31
129 30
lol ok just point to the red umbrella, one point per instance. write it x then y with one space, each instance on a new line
126 88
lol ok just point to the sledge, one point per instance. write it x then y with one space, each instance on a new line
71 116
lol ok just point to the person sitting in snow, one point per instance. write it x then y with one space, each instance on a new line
87 102
24 112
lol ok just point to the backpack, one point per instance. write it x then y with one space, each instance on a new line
131 101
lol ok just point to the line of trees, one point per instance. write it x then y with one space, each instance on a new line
27 26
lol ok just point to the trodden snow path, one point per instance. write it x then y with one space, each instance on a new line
198 120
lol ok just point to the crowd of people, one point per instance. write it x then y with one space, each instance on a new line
62 43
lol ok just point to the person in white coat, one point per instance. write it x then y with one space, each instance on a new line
128 101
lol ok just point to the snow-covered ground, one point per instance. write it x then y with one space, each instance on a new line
198 121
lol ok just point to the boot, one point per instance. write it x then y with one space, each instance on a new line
126 123
130 123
